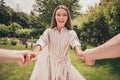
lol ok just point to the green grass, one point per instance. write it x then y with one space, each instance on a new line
12 71
102 70
18 46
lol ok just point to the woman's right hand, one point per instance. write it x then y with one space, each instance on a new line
34 56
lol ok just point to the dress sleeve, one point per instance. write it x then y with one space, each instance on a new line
43 40
74 41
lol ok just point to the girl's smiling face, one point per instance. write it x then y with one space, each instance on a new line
61 17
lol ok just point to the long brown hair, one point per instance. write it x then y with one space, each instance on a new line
67 24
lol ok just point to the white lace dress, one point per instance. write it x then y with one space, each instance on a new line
53 62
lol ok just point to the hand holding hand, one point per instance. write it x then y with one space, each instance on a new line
81 56
33 56
88 57
25 57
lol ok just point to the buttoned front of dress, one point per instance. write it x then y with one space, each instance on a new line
54 57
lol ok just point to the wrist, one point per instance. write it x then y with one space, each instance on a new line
93 54
18 55
36 52
89 54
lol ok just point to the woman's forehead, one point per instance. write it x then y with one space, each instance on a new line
61 10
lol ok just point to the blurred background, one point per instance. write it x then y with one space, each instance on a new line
95 21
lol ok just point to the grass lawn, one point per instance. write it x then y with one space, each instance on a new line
102 70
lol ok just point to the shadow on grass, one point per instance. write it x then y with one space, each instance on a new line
114 65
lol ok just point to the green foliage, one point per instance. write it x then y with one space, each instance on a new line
13 27
3 30
21 18
5 15
8 16
14 41
97 30
28 33
15 30
12 21
35 22
8 41
23 33
4 41
100 23
37 32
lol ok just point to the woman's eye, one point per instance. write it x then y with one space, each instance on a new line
64 15
58 14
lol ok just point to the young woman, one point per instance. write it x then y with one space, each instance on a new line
53 61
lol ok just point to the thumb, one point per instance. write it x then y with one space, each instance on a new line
33 57
27 59
81 56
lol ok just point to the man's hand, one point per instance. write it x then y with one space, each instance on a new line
88 57
25 57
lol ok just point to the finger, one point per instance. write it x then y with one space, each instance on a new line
27 59
90 62
81 56
33 57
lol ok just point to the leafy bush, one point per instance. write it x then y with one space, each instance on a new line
13 27
3 30
4 41
23 33
14 41
37 32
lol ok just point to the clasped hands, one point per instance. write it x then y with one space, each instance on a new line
24 57
87 56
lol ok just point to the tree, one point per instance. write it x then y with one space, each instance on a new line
112 14
12 28
2 3
3 30
103 22
5 15
23 33
45 8
35 22
21 18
